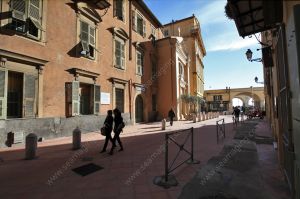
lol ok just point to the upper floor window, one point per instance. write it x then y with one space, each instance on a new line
139 63
119 10
119 53
217 97
166 33
153 31
139 23
26 17
87 38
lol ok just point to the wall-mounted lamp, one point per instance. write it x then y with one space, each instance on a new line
256 81
249 54
2 61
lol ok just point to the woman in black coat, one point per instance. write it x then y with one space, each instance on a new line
119 125
108 124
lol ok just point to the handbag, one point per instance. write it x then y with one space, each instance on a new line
103 131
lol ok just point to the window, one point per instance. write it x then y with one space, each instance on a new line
87 37
154 104
119 99
139 63
119 10
119 53
166 33
217 97
82 98
154 71
18 94
26 17
153 30
139 24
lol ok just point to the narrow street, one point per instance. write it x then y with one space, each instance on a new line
51 173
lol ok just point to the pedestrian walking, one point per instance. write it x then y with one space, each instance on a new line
118 128
236 113
171 115
108 126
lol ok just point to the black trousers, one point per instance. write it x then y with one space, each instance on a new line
171 121
107 138
117 138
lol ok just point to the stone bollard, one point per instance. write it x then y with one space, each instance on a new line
199 117
76 138
194 118
30 146
163 124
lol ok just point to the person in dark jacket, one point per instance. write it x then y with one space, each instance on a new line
171 115
118 128
108 125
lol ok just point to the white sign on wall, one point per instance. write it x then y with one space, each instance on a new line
105 98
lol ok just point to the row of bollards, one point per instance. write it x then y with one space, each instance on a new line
31 143
200 117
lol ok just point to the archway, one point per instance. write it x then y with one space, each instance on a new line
139 107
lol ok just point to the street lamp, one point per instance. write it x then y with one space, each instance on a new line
249 54
256 81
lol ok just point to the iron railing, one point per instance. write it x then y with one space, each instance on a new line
220 125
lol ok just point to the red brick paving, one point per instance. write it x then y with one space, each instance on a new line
28 178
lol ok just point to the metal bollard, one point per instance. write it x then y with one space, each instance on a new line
163 124
30 146
194 118
76 138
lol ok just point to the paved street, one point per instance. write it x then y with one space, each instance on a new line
124 175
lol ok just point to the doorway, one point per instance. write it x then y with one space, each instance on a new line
14 95
139 109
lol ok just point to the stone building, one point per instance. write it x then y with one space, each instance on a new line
96 55
279 25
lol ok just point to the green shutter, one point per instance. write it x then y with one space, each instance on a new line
84 36
97 99
18 8
75 98
3 93
115 7
134 20
144 28
123 55
92 36
34 13
29 95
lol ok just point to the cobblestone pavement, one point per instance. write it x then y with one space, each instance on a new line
126 174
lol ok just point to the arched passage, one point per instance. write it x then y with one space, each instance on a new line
139 107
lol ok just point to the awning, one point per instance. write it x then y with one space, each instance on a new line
253 16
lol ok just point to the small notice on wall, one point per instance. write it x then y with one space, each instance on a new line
105 98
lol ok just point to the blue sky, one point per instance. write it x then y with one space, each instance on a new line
225 63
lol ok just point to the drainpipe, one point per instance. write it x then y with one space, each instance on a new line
130 98
130 29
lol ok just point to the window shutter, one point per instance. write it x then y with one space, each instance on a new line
34 13
75 98
3 94
133 20
115 7
84 36
92 36
18 8
96 99
144 28
123 56
29 95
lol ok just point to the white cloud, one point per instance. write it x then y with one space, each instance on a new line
227 42
212 13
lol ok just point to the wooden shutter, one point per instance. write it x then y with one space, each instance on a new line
92 36
18 8
84 36
134 20
34 12
3 94
123 55
115 7
75 98
29 96
144 28
96 99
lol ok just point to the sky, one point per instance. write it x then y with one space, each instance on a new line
225 64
